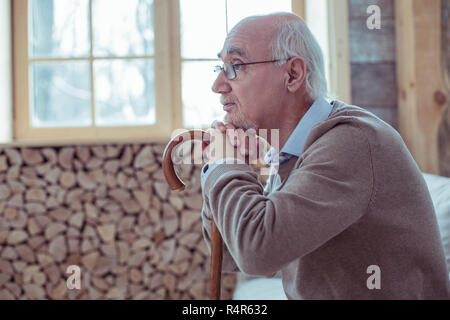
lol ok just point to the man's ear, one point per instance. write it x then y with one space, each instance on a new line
296 73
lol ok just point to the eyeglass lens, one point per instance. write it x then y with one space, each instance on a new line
229 70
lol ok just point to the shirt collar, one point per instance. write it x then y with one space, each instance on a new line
319 111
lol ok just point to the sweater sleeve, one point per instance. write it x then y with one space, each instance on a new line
327 192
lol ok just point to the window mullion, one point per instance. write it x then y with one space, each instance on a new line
21 101
299 8
175 64
226 16
91 65
339 50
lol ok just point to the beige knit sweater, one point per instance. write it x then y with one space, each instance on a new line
355 198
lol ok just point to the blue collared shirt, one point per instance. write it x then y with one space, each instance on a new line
319 111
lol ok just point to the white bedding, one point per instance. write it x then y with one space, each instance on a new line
440 194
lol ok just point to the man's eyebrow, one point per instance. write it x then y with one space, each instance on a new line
235 51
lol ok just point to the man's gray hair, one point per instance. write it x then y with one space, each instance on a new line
293 38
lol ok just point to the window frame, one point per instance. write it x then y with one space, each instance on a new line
168 77
339 50
23 131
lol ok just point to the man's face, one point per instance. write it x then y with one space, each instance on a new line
253 98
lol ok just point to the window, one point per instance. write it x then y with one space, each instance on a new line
91 69
114 69
5 73
98 63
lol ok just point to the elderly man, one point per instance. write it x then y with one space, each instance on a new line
348 214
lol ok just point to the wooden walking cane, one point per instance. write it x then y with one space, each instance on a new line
176 183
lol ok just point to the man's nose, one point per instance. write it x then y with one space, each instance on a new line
221 84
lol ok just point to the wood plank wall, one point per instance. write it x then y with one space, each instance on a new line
444 126
401 73
372 58
423 98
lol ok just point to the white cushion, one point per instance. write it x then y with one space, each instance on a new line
440 195
260 289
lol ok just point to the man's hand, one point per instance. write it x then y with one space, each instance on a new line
229 142
220 147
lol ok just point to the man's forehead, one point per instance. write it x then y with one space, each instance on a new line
246 40
232 50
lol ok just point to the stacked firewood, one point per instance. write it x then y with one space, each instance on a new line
108 210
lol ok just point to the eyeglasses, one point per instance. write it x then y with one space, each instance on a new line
230 69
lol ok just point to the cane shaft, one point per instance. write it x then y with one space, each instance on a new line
215 272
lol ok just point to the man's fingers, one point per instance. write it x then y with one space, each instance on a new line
248 143
210 133
253 148
219 126
232 137
263 146
229 126
207 153
231 133
207 136
242 143
215 123
222 126
252 144
228 129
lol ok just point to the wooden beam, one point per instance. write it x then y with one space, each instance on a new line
20 68
5 72
418 34
175 65
339 50
298 7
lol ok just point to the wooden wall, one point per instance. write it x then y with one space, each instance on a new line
372 58
400 73
423 98
444 126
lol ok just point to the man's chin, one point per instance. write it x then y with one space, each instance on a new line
230 119
239 123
